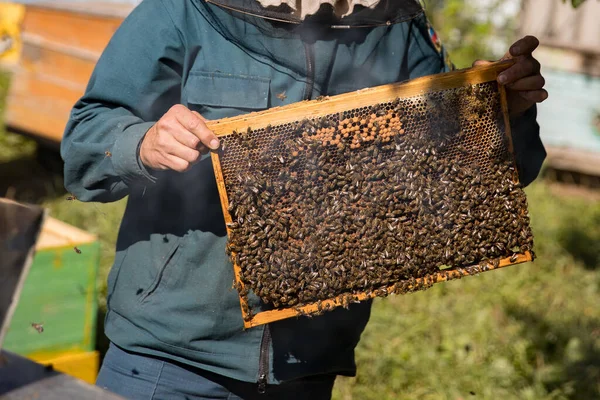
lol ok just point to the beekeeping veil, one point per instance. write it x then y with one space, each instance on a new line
345 13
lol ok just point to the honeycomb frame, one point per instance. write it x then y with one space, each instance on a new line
260 126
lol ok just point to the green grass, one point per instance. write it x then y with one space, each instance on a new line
12 147
525 332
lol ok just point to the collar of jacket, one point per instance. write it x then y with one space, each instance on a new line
387 12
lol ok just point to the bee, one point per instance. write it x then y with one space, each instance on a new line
38 327
513 258
319 306
71 197
108 153
282 96
77 250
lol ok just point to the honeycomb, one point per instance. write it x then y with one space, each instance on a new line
475 111
385 198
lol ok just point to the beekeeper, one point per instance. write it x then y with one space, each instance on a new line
173 319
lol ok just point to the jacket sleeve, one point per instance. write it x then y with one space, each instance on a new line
137 79
528 148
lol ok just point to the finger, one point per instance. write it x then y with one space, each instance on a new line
193 123
168 143
535 96
534 82
177 164
181 151
203 149
524 46
506 56
523 68
481 63
185 137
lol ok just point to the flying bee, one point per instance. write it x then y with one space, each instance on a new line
38 327
108 153
71 197
77 250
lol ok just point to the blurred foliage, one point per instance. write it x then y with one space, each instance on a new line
468 31
473 30
9 143
575 3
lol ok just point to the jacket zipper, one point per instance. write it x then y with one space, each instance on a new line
263 361
310 70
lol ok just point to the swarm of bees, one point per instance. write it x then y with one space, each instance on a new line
317 217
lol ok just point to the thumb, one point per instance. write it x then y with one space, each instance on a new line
481 63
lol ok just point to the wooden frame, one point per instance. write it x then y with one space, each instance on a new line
331 105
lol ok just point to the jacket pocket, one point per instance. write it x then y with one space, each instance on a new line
169 259
218 91
195 302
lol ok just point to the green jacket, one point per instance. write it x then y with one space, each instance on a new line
170 289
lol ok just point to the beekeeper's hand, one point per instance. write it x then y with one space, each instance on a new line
177 140
524 81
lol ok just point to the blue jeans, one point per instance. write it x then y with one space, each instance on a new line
136 376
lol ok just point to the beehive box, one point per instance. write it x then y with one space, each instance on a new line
60 43
386 190
83 365
20 226
21 378
59 295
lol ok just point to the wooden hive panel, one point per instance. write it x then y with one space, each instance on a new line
59 293
81 29
62 42
40 105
